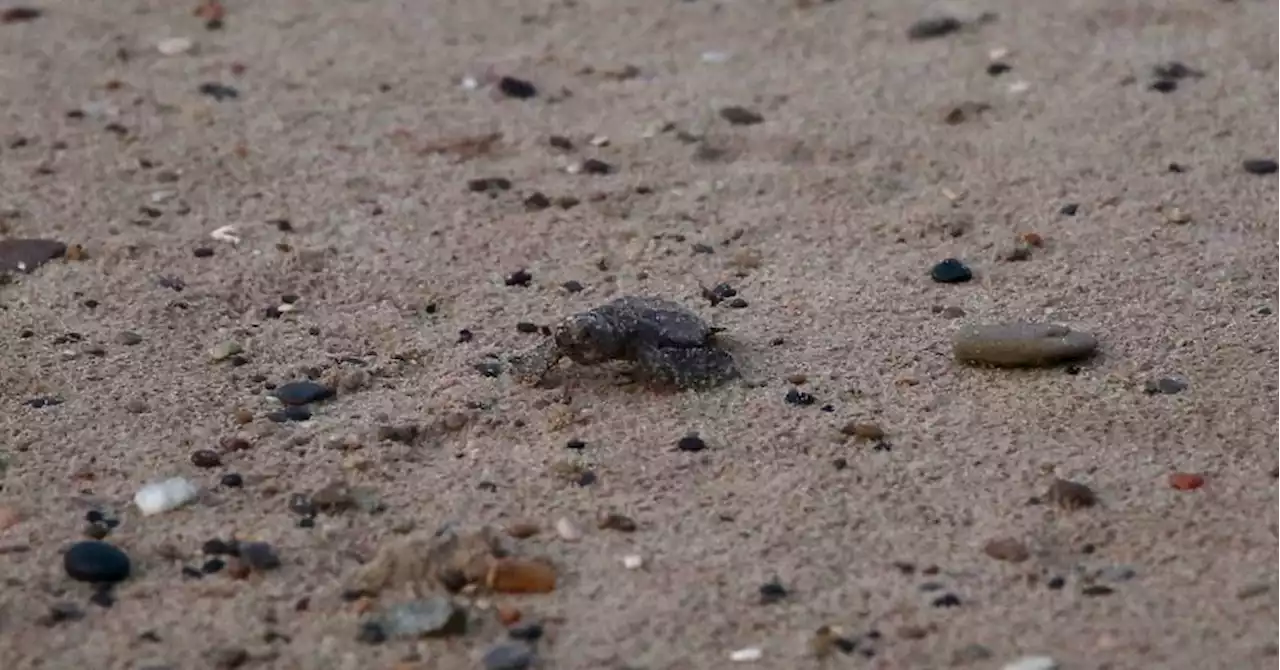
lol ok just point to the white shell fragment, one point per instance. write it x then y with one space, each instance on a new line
164 496
174 46
567 530
225 234
746 655
633 561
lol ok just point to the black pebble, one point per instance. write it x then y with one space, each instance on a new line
741 116
947 600
737 303
537 201
1176 168
202 252
219 547
43 401
1259 166
213 565
517 88
573 286
799 398
560 142
526 327
520 277
97 562
840 463
587 478
218 91
1175 70
303 392
1069 209
575 444
526 631
232 480
951 271
488 184
94 516
997 69
1097 590
1164 85
1056 583
933 27
291 413
772 592
465 336
596 166
691 442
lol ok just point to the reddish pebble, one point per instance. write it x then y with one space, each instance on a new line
1185 481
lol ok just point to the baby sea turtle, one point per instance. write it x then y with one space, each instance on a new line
668 344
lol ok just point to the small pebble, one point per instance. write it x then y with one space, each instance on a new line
231 480
1006 549
529 632
1260 166
691 442
951 271
174 46
1031 663
128 338
224 350
164 496
746 655
302 393
567 530
259 556
1165 385
96 562
1069 209
291 413
517 88
437 616
206 458
618 522
218 91
1021 344
799 398
1070 495
1185 481
633 561
741 116
508 656
933 27
520 277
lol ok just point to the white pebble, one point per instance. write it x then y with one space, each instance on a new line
174 46
164 496
158 197
633 561
998 53
746 655
1019 87
599 141
470 83
567 530
714 56
1032 663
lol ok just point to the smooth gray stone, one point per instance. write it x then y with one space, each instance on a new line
1021 344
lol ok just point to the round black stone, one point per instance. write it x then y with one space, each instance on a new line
526 327
691 443
526 631
575 444
97 562
1164 85
997 69
572 286
94 516
799 398
951 271
465 336
232 480
1069 209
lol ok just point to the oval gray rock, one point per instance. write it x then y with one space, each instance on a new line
1021 344
25 255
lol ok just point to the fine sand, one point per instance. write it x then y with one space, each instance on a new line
361 124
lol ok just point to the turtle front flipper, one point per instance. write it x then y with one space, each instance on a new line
686 368
532 366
